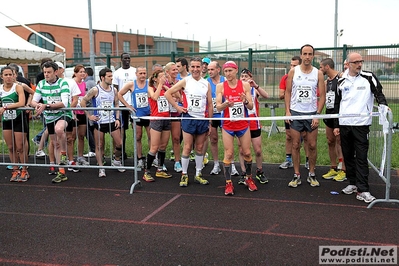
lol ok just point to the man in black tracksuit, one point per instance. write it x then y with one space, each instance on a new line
355 95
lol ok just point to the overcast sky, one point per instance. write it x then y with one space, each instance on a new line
285 24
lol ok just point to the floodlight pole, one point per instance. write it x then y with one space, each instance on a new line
92 61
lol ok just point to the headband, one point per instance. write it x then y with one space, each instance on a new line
230 64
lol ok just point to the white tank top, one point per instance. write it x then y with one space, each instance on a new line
304 91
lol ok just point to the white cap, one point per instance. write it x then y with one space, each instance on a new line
60 65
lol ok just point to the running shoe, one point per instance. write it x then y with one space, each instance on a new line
349 189
296 181
162 174
313 181
184 180
63 160
341 176
241 181
15 176
40 153
199 179
330 174
59 178
52 171
365 196
148 178
216 169
250 183
234 170
307 165
37 142
172 155
140 163
118 164
229 189
82 161
177 167
261 177
286 165
24 176
101 173
205 160
155 162
71 168
192 156
90 154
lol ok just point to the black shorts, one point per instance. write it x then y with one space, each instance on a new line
143 123
81 119
216 123
329 122
71 125
50 126
256 133
16 125
106 128
287 126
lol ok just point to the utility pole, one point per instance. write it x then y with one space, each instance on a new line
92 61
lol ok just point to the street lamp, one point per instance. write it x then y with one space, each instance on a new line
339 35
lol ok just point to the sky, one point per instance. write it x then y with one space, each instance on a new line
258 24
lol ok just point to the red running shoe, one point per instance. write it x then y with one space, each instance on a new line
249 182
229 190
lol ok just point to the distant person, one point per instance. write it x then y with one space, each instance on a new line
295 61
13 122
182 66
140 107
357 90
55 94
123 75
90 83
205 63
300 100
106 118
197 106
233 98
337 171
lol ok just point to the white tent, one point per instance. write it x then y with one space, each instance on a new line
15 49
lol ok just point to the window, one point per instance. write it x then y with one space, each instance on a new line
39 41
77 48
126 46
106 48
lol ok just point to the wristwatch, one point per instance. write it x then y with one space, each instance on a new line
47 106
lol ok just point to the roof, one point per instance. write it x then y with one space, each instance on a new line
15 49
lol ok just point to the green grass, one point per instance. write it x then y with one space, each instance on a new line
273 147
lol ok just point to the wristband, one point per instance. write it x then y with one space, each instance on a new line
5 107
257 87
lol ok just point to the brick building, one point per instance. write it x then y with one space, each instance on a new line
76 42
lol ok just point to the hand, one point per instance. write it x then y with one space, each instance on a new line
315 123
181 109
288 121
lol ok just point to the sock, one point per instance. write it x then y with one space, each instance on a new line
161 159
184 163
227 173
248 168
198 163
62 171
150 160
288 157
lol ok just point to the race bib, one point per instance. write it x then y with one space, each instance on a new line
51 100
237 111
163 104
215 110
330 99
9 114
304 94
142 99
107 105
195 103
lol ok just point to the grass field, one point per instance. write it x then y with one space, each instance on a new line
273 147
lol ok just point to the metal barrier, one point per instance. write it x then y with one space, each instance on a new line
379 157
5 161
